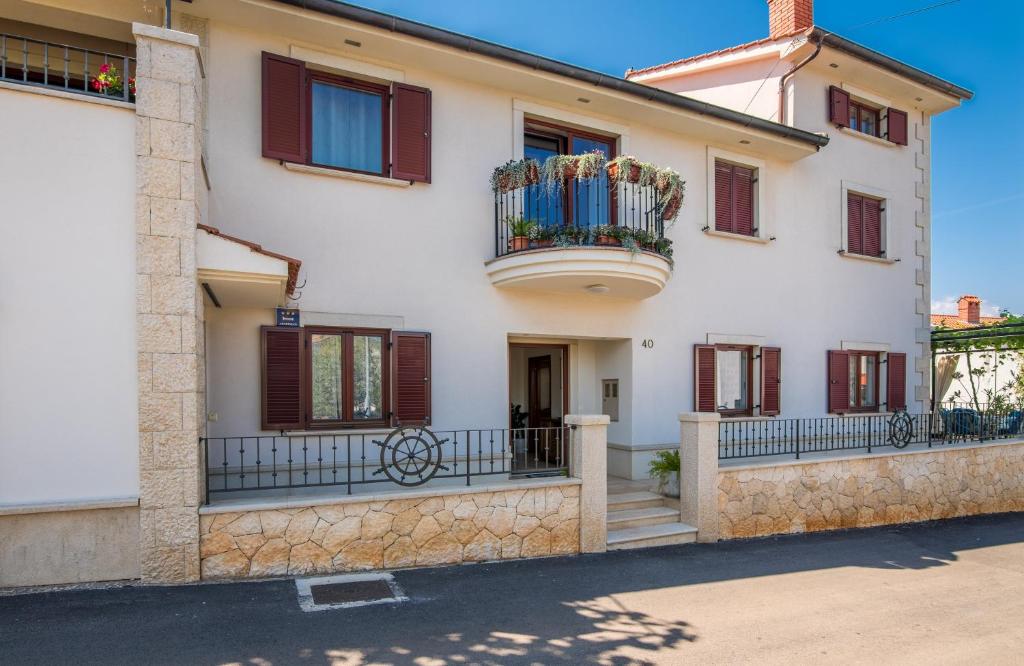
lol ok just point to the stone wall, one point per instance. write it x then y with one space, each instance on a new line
360 535
871 490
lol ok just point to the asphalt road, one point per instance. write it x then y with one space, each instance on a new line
944 592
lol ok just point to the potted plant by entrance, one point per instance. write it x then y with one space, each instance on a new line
665 468
515 175
519 232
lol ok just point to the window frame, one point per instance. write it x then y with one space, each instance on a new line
348 378
855 407
886 212
731 413
863 227
761 215
384 90
755 228
863 108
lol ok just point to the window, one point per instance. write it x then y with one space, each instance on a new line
733 380
853 380
864 118
346 371
863 371
724 377
735 198
347 121
864 225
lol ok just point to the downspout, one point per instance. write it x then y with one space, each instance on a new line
787 75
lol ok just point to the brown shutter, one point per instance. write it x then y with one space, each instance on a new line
872 227
839 106
854 223
723 196
897 126
704 390
284 108
838 381
743 200
410 377
896 381
410 133
771 378
282 378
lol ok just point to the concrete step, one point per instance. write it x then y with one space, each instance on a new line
656 515
641 499
666 534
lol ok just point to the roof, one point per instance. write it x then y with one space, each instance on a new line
293 264
954 321
529 60
834 41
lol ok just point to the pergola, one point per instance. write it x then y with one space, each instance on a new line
1008 336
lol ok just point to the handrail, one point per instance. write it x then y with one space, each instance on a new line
33 62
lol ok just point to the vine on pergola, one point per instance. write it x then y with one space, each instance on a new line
998 344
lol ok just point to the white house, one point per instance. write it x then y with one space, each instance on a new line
336 161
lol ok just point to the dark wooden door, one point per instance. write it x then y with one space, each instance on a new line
539 391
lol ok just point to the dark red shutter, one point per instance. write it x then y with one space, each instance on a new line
854 223
872 227
743 200
284 108
410 133
839 106
771 378
897 126
723 196
410 380
838 381
704 390
896 381
282 378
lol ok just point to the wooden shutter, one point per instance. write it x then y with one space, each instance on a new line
771 378
896 126
896 381
410 133
839 106
410 378
854 223
723 196
743 200
704 390
838 381
282 378
872 222
284 108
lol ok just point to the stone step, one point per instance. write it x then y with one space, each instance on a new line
666 534
641 499
657 515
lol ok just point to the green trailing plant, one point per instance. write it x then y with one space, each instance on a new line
671 189
589 165
557 169
663 465
571 236
515 175
520 227
644 238
663 246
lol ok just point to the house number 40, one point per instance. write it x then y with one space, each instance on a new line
647 343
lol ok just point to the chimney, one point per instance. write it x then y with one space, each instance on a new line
970 309
788 16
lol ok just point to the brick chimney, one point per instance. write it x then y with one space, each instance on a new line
788 16
970 309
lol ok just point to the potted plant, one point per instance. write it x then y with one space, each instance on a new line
519 231
644 239
608 234
515 175
624 169
543 236
663 246
589 165
109 82
665 468
570 236
558 169
670 187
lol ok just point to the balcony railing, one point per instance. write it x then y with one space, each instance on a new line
33 62
587 204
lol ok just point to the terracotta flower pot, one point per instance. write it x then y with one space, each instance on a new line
532 174
570 170
608 240
519 243
632 176
544 242
673 206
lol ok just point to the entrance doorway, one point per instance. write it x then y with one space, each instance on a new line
538 403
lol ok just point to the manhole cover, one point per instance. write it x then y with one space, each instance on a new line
345 593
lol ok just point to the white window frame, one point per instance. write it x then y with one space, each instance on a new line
887 214
762 220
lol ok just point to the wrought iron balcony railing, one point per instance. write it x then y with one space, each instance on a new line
83 71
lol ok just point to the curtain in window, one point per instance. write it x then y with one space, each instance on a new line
346 128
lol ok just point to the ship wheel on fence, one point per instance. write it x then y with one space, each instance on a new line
901 429
410 456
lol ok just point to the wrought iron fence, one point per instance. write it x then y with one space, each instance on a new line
408 456
34 62
751 438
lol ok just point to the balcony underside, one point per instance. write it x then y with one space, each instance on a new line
609 271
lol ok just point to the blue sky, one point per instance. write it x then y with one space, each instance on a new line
977 180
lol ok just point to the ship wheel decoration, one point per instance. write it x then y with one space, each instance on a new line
410 456
901 429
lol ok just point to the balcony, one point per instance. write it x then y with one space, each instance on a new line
41 64
578 224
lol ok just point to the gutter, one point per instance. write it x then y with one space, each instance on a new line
547 65
788 75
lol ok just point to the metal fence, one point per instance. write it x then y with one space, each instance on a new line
405 457
37 63
752 438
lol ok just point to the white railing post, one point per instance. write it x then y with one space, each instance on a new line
698 472
589 456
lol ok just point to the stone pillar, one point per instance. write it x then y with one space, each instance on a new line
589 458
698 472
172 405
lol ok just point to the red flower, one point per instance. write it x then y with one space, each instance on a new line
104 68
97 85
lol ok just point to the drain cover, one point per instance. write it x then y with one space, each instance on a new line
346 593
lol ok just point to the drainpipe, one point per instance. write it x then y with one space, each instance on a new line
167 15
787 75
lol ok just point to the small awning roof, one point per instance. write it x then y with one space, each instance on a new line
238 273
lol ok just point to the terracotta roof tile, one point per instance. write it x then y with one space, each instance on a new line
293 264
694 58
954 321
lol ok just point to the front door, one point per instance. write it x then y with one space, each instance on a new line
538 402
539 391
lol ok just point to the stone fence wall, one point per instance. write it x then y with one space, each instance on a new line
809 496
355 534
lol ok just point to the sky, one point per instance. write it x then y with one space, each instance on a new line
977 178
